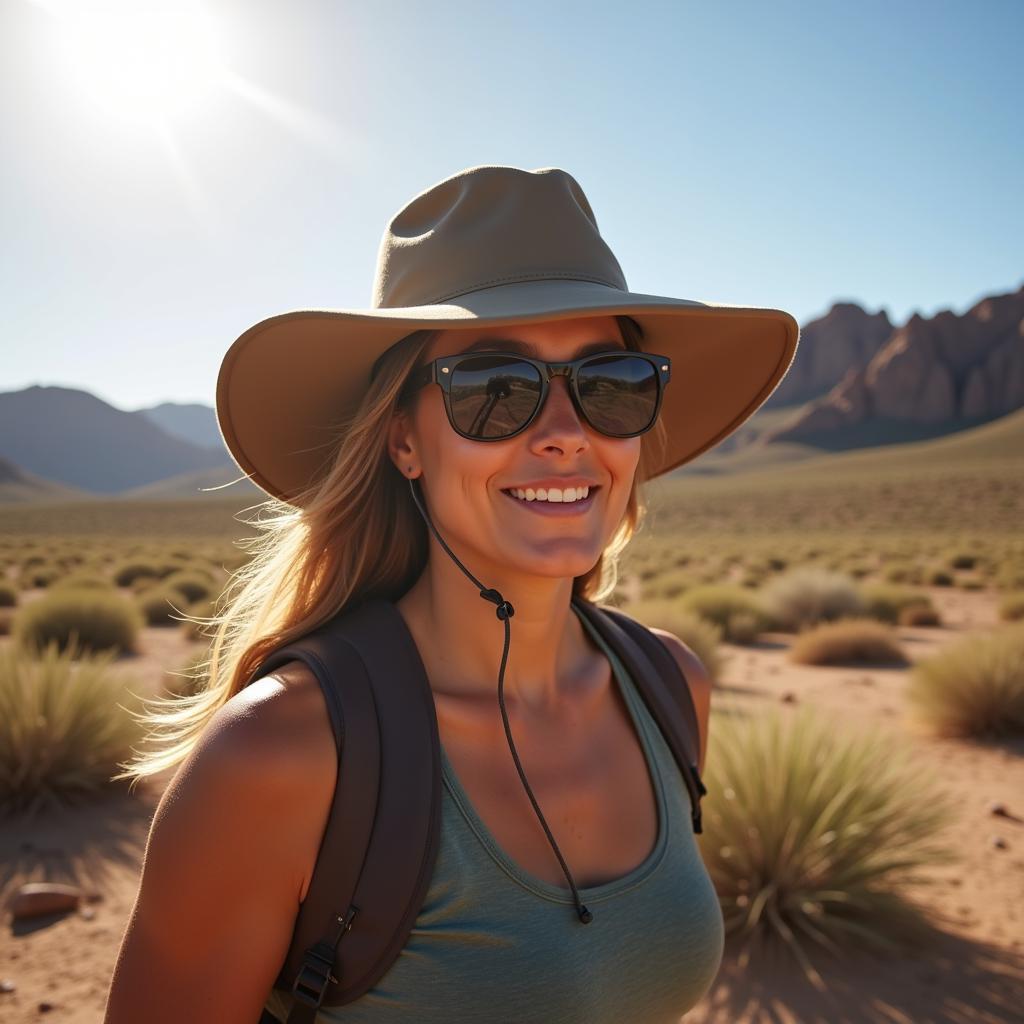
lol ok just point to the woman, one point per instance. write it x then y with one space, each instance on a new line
414 446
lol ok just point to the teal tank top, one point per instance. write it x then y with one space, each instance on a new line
494 943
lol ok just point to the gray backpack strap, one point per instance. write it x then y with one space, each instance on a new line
663 686
380 843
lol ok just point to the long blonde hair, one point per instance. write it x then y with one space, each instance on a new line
353 534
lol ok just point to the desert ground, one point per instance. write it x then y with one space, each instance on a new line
58 967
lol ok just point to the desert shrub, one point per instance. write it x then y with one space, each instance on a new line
8 594
86 580
191 585
814 834
971 583
847 642
903 572
64 729
161 605
40 576
6 620
128 573
1011 608
98 619
1010 577
701 636
919 615
807 595
974 686
744 628
720 602
939 577
669 584
963 560
885 601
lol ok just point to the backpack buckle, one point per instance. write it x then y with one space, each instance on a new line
314 974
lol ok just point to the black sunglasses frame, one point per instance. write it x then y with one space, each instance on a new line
440 371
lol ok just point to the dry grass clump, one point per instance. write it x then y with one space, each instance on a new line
127 574
161 605
1011 607
808 595
64 729
71 616
919 615
39 576
728 606
886 601
813 834
848 642
701 636
83 580
191 585
974 686
8 594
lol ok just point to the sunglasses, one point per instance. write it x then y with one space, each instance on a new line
491 396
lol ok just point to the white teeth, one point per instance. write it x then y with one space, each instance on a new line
570 494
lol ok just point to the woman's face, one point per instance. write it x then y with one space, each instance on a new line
467 483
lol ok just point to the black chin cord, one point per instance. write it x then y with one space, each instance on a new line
504 612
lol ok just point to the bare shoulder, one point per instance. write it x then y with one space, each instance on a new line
698 679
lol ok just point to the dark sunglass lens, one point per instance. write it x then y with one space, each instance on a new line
492 396
619 394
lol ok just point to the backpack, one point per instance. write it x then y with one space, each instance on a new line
380 843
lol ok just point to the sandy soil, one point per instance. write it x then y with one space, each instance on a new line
973 971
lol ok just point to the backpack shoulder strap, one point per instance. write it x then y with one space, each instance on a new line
380 843
663 686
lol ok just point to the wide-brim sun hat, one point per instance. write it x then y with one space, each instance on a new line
488 245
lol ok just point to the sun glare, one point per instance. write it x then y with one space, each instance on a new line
139 60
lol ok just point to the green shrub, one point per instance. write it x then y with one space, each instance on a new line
847 642
99 620
86 580
1011 608
814 834
744 628
919 615
126 574
963 560
701 636
971 583
1010 577
719 602
939 577
161 606
807 595
902 572
191 585
63 727
40 576
974 686
8 594
885 601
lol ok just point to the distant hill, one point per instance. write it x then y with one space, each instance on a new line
192 422
215 484
17 485
73 437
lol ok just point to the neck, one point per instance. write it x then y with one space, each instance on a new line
461 639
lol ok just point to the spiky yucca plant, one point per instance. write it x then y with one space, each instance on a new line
813 835
974 686
64 729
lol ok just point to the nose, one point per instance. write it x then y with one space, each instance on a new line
558 422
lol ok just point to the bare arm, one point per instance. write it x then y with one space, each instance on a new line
700 685
227 861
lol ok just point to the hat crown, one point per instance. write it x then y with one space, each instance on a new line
489 226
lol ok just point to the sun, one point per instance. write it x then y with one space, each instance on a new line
140 60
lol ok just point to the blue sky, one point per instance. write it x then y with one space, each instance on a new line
770 154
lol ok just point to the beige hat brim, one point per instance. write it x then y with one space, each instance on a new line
287 382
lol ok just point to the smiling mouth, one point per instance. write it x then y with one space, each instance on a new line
545 507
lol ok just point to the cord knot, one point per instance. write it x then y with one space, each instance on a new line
504 608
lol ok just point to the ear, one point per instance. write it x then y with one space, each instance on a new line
402 444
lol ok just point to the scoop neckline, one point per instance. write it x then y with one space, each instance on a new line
590 893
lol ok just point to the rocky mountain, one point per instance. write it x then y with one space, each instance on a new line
845 336
932 375
73 437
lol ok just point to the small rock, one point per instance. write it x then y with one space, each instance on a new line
788 697
45 1007
34 899
6 985
999 843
